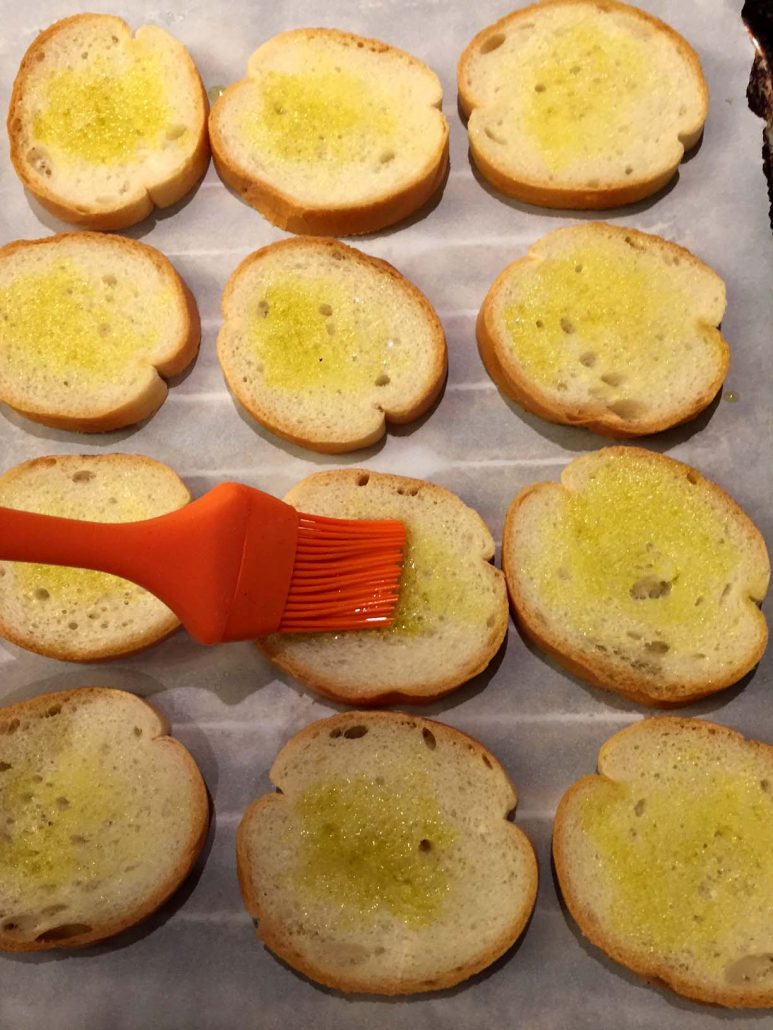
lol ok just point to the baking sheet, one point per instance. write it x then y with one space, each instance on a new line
197 964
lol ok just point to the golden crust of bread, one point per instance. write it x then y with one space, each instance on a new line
608 194
654 967
592 668
37 707
275 937
284 211
162 193
271 418
494 352
144 404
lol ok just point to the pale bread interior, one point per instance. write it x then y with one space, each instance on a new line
331 120
581 95
452 616
77 614
642 572
92 80
321 342
484 868
87 324
664 857
98 817
605 324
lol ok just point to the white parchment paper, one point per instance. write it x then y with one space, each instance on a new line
197 964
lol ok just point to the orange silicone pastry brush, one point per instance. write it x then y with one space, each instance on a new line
233 565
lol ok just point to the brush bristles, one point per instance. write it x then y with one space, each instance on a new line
346 575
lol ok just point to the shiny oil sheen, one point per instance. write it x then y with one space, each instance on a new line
603 315
326 115
632 524
686 864
101 115
369 846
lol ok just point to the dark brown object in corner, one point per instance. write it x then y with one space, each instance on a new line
758 17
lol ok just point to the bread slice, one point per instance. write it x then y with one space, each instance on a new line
331 134
452 613
104 817
88 326
664 858
104 126
74 614
607 328
386 863
580 103
322 344
639 576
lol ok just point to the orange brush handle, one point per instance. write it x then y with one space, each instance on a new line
223 563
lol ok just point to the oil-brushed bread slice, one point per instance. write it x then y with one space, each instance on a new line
385 863
323 344
608 328
581 103
452 614
89 325
104 126
75 614
638 575
331 134
663 859
104 815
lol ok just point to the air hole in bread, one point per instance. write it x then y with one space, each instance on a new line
387 156
175 132
429 738
588 359
627 409
656 647
363 479
331 329
567 326
492 42
425 845
354 732
629 170
53 711
692 478
650 588
325 309
10 927
382 379
41 594
83 476
750 969
539 323
63 933
613 378
40 55
5 766
137 731
9 727
638 808
72 625
633 635
493 136
487 761
263 308
765 785
540 87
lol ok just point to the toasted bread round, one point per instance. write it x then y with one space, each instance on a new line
664 858
323 344
105 815
607 328
331 134
386 863
581 103
78 615
104 126
89 324
639 576
452 613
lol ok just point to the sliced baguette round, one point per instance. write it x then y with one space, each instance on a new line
663 859
77 615
639 576
105 126
386 863
323 344
580 103
104 817
331 134
89 325
452 614
607 328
